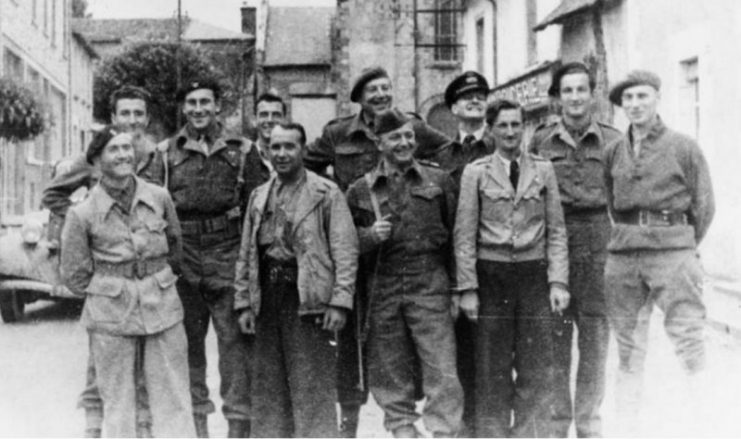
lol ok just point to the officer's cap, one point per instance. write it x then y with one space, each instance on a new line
365 77
198 84
100 140
636 77
567 69
389 120
466 82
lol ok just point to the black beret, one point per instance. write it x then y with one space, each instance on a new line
197 85
636 77
568 68
389 120
365 77
466 82
100 140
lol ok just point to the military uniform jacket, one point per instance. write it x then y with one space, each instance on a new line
578 163
99 232
350 146
454 156
205 186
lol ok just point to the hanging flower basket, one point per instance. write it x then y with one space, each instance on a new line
21 115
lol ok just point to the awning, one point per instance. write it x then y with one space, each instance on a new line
566 9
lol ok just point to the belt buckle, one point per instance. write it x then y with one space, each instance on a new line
273 275
643 218
666 217
140 269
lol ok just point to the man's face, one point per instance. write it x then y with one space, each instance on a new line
200 108
575 95
117 158
268 114
470 106
131 114
507 129
285 151
640 103
376 96
398 146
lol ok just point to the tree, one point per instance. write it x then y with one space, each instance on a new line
153 66
21 115
79 9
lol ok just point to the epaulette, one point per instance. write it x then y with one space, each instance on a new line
414 115
340 119
545 125
481 160
537 157
430 163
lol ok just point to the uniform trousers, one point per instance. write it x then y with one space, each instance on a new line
165 371
206 290
410 324
588 233
634 282
293 384
513 350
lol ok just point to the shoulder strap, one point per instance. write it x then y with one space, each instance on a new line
373 198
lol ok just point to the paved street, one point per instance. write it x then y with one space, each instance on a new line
43 360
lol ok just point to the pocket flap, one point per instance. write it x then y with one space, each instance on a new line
349 149
157 225
427 192
103 285
553 155
497 194
165 278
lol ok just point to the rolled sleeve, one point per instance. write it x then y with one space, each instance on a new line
56 195
557 250
344 250
76 266
466 230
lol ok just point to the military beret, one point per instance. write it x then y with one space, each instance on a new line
636 77
389 120
568 68
464 83
100 140
197 85
365 77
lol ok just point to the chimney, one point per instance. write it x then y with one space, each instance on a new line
249 19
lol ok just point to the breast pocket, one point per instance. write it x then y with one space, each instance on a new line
352 161
496 204
533 201
561 163
594 169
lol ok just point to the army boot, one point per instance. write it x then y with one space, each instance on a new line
201 422
349 420
238 428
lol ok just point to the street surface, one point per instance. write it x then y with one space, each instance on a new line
43 367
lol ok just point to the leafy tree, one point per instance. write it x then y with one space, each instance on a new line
21 115
153 66
79 9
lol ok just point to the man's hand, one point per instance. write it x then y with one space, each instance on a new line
334 319
246 321
559 298
470 304
381 229
455 305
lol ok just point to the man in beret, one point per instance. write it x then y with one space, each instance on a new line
404 211
129 113
575 145
661 200
349 145
210 174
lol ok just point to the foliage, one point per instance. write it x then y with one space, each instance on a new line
79 9
21 115
153 66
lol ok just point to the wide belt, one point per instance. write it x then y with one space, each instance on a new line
227 223
138 269
651 218
277 271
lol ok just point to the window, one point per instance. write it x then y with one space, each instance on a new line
34 11
446 30
13 66
480 45
53 23
46 17
689 96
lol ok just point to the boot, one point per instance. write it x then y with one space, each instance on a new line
238 428
201 422
349 420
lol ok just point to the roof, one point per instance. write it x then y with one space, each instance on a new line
151 29
77 36
566 9
299 36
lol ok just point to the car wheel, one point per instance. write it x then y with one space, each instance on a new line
11 306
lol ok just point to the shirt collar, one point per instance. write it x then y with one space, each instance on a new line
592 128
357 124
106 202
381 171
478 134
508 161
215 136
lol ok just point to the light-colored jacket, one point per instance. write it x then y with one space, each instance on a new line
496 224
97 232
325 243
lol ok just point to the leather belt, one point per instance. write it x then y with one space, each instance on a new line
651 218
217 224
138 269
276 271
571 210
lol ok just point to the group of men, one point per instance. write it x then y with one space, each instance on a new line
387 257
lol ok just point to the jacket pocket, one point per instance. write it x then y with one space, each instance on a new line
533 201
106 302
496 204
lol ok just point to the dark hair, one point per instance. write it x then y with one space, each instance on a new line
567 69
101 139
129 92
270 97
294 126
496 107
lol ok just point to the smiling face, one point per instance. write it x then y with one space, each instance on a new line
640 104
130 114
397 147
200 108
470 106
116 160
575 95
285 152
507 130
376 96
267 115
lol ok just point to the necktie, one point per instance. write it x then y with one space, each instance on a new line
468 140
514 173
